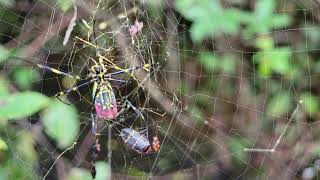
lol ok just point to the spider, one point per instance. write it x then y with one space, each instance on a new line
136 140
103 97
155 143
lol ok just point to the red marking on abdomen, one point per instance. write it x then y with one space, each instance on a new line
108 113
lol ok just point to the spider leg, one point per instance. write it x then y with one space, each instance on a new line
144 131
57 95
145 66
75 88
63 101
46 67
117 80
93 124
95 149
94 91
56 71
135 109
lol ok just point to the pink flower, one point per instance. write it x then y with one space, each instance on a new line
136 28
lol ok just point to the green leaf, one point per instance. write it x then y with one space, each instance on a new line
208 61
264 68
212 63
279 60
64 4
21 105
61 123
225 22
202 14
200 30
17 168
79 174
280 21
228 65
265 43
276 60
103 171
3 145
264 9
25 77
25 146
279 104
195 10
310 103
264 12
230 21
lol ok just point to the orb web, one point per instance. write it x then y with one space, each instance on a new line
219 119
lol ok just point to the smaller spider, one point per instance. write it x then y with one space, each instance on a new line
155 143
136 140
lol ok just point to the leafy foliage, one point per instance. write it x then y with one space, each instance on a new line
310 103
264 19
79 174
215 63
103 171
276 60
246 57
61 123
209 18
25 146
25 77
22 105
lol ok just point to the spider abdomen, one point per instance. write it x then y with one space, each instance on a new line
105 103
136 141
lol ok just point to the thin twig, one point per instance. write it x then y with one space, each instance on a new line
273 149
71 25
60 24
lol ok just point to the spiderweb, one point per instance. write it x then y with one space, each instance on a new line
226 124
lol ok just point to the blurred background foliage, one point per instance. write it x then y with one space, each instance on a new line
254 60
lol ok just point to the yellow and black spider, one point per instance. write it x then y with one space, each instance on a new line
102 93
